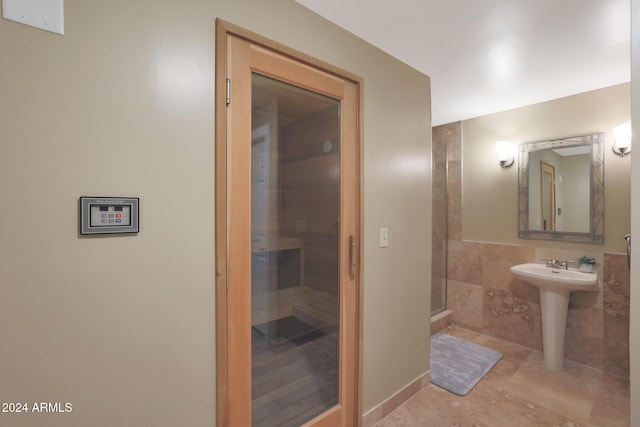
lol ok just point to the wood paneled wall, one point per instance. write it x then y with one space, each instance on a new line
310 194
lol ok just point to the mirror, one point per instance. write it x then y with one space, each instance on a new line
561 189
547 197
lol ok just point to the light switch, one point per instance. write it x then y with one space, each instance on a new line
384 237
47 15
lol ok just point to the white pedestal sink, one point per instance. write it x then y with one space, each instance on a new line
555 285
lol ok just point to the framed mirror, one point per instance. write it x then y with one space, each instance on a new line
561 189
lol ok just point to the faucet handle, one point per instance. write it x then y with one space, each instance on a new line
565 263
550 261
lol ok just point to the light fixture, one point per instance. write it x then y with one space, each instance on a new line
505 153
622 139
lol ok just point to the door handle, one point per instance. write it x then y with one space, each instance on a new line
628 239
353 256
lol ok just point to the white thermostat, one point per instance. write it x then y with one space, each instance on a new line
109 215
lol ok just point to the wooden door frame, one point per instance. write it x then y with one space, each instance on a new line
547 167
223 31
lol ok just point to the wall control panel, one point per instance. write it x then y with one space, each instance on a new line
109 215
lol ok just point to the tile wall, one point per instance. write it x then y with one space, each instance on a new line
439 157
486 297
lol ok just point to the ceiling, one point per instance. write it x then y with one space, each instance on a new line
485 56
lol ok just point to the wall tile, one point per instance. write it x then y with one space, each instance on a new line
438 152
616 343
438 288
587 299
616 283
454 141
465 300
439 217
584 335
442 138
454 175
497 261
450 135
454 200
465 262
508 316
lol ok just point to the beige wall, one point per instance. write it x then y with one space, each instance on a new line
634 324
489 201
123 327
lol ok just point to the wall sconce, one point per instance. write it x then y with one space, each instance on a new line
505 153
622 139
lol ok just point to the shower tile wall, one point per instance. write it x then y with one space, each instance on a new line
486 297
446 154
616 282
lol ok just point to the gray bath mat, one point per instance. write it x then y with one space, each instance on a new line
458 365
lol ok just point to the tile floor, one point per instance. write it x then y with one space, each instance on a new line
519 391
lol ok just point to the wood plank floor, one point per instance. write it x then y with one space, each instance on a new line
293 383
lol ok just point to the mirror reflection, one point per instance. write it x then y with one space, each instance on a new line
561 189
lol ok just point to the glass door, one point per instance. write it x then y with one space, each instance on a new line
295 306
287 246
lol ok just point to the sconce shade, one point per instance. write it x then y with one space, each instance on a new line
505 153
622 139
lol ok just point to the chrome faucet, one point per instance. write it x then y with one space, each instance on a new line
557 263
